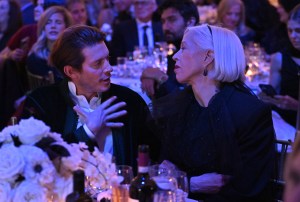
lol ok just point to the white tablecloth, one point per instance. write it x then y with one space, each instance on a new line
132 83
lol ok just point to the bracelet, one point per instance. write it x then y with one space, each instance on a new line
162 79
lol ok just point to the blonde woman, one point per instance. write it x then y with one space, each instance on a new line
215 129
231 15
53 22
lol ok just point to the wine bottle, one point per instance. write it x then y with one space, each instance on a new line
78 194
142 188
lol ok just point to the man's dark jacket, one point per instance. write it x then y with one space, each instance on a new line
125 38
53 105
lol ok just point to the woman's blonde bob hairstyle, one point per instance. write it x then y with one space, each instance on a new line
229 58
40 47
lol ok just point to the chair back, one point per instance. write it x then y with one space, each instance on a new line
283 148
38 81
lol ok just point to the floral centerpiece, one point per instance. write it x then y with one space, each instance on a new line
37 165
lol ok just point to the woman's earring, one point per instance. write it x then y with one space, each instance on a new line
205 57
205 72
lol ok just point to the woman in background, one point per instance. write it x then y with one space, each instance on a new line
10 20
52 22
285 66
231 15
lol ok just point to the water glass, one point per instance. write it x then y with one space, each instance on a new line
121 66
183 187
164 196
120 193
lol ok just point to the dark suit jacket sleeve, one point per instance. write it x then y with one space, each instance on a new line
257 154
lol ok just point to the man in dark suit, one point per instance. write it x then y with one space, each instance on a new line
128 34
176 16
86 107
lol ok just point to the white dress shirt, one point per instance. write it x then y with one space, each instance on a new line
81 101
149 33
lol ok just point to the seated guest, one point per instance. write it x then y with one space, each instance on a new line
276 37
10 20
176 15
52 22
141 32
27 9
284 77
216 129
292 174
78 11
231 15
121 11
86 107
22 41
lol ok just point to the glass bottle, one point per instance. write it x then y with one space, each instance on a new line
142 188
78 194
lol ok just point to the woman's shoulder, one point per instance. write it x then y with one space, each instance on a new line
242 101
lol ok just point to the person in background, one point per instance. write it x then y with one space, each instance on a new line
21 42
52 23
121 11
27 7
276 38
284 77
128 34
10 20
78 11
85 106
292 174
176 16
216 129
231 15
13 75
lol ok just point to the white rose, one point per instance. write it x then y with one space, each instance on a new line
6 133
30 191
73 161
31 130
38 166
5 190
11 162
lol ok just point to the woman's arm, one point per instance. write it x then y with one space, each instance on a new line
275 76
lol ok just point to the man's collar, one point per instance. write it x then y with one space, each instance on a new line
72 88
141 24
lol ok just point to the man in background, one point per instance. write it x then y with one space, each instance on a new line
176 16
141 31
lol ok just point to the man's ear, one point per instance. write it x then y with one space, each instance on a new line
191 22
70 72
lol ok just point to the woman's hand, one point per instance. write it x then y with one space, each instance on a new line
286 102
209 183
17 54
281 101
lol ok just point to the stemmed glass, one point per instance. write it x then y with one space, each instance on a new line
166 182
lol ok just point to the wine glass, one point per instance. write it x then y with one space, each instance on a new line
166 182
164 196
120 193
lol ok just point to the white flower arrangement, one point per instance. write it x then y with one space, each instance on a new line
37 165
